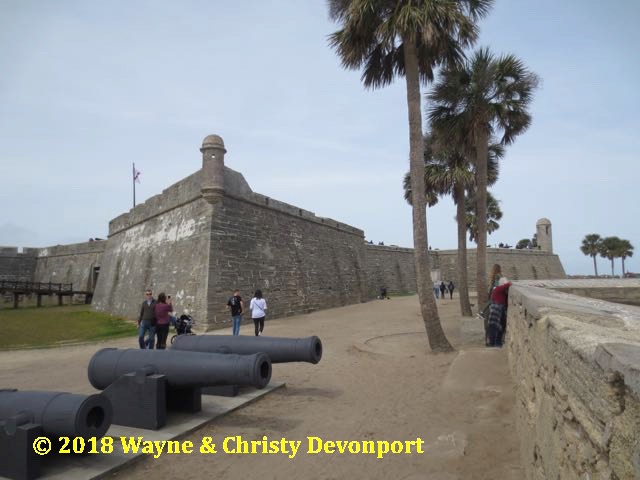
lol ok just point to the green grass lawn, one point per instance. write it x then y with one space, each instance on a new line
48 326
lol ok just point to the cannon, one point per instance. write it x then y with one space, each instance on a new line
144 384
26 415
279 350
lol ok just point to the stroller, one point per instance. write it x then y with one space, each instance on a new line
183 326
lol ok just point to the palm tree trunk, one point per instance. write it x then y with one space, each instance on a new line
595 266
622 258
437 339
612 274
482 147
463 280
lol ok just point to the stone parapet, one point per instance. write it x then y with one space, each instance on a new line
576 365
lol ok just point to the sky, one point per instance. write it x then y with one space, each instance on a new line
89 88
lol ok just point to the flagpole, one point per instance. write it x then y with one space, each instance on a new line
133 179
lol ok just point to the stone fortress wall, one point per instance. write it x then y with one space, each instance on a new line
16 265
576 365
73 263
516 264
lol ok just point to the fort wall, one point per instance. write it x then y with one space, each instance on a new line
515 264
161 244
301 262
389 267
73 263
576 365
17 266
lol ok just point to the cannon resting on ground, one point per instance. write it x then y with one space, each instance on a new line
279 350
26 415
144 384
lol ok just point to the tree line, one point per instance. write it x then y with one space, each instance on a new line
478 105
593 245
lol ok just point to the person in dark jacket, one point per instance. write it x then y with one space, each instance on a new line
147 321
443 289
451 287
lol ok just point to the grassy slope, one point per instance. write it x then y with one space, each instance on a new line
38 327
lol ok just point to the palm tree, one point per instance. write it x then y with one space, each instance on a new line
609 248
448 172
493 213
625 250
591 246
409 38
484 96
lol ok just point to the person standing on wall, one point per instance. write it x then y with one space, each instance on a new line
147 321
258 307
162 310
236 307
443 290
451 287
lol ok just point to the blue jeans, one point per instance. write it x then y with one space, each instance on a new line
237 319
150 342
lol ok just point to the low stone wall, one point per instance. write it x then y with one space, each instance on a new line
576 365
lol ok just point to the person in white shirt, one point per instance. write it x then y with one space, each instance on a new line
258 307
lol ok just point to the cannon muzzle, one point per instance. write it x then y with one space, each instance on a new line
279 350
181 369
60 414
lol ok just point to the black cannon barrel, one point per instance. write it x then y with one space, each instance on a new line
59 413
182 369
280 350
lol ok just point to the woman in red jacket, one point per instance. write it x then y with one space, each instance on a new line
497 324
162 310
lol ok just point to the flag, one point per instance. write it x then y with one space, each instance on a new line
136 175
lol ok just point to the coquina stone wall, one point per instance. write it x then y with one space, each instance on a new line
390 267
17 266
300 262
162 244
73 263
515 264
576 365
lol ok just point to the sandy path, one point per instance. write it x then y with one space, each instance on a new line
377 381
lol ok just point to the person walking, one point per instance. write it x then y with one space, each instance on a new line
163 308
443 289
236 307
258 307
451 287
147 321
436 289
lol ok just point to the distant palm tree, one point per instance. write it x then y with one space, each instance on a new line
448 172
610 248
484 96
591 246
409 38
493 212
625 250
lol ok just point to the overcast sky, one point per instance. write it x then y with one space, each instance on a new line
87 88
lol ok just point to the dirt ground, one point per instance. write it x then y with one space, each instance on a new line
377 381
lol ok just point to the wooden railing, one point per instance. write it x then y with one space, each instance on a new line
35 287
